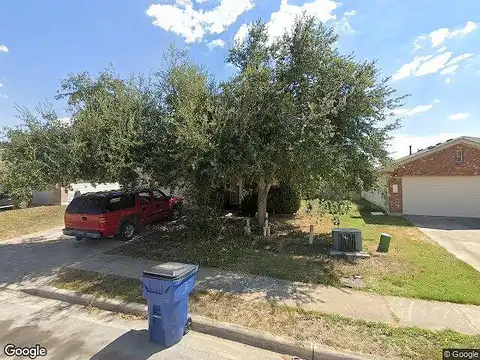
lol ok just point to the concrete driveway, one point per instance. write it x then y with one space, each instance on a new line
460 236
34 259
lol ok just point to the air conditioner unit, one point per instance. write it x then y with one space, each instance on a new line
347 240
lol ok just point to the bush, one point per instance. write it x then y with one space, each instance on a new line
213 240
282 199
21 197
205 223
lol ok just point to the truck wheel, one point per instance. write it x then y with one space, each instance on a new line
127 232
176 213
78 238
188 326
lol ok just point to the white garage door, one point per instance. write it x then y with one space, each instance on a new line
441 195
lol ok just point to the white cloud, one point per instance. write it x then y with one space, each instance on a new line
3 48
284 18
416 110
442 50
448 80
183 3
460 58
412 112
469 27
1 84
449 70
459 116
439 36
241 33
422 65
399 146
216 43
344 26
193 24
407 70
434 64
417 43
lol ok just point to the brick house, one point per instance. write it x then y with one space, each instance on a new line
441 180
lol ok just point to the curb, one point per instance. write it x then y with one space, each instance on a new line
237 333
88 300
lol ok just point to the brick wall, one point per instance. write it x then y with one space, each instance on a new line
440 163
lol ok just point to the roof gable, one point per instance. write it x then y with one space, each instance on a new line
466 140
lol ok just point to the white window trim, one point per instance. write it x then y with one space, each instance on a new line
457 159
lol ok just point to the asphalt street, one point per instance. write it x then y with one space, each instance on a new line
69 331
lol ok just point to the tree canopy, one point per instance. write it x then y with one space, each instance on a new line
296 110
302 112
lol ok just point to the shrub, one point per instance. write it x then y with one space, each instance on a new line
205 223
282 199
21 197
213 240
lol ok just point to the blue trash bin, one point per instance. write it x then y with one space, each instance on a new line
166 288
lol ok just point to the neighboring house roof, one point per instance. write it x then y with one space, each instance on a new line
467 140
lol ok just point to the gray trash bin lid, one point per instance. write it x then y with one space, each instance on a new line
171 270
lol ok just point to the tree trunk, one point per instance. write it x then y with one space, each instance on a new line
262 188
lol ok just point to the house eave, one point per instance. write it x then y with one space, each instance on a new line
407 159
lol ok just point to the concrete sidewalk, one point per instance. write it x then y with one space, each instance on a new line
395 310
72 332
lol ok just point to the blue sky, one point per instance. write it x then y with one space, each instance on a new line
430 47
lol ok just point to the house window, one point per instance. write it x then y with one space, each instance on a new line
459 156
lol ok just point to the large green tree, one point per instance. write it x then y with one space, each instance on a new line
181 141
302 112
107 115
100 142
37 154
295 110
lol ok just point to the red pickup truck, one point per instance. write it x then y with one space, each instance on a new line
105 214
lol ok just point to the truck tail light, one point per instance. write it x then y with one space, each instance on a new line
102 222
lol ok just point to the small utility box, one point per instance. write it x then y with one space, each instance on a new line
347 242
384 244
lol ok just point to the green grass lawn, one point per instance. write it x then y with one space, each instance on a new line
25 221
388 341
414 267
